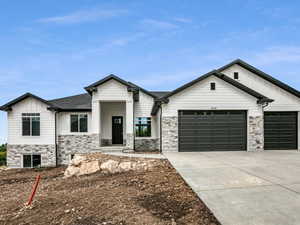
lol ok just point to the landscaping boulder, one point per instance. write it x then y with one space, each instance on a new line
88 164
110 166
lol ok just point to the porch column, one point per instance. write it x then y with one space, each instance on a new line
96 111
129 124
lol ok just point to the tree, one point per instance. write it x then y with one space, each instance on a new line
3 148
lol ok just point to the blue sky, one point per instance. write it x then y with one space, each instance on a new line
54 48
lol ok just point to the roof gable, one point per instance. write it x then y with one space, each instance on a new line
131 86
262 75
92 86
8 105
261 98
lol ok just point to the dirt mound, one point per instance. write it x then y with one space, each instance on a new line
158 196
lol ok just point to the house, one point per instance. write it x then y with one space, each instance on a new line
234 108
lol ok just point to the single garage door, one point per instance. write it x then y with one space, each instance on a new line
212 130
280 130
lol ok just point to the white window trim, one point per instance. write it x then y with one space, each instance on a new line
78 128
30 124
151 120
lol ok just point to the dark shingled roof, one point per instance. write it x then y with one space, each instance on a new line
75 102
83 101
159 94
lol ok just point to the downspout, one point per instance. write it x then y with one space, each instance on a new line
55 127
133 126
160 133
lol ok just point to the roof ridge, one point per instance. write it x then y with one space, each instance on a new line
55 99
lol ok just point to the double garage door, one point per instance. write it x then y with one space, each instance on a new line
212 130
227 130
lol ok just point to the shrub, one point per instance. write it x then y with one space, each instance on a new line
2 158
3 148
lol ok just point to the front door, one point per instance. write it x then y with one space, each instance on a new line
117 130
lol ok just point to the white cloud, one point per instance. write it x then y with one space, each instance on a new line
278 54
83 16
183 20
158 24
122 41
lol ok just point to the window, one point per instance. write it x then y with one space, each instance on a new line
236 75
212 86
79 123
30 124
31 161
143 127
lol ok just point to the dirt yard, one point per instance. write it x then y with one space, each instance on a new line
159 196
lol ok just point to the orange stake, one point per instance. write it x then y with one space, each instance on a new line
37 180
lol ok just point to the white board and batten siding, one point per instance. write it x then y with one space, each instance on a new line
112 90
64 123
225 97
283 100
200 97
47 123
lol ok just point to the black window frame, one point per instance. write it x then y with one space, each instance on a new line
212 86
81 123
32 160
31 124
236 75
143 127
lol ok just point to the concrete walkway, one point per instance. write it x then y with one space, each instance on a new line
137 155
245 188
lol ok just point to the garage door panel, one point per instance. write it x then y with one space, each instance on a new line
280 130
212 130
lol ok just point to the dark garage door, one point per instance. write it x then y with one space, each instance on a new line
212 130
280 130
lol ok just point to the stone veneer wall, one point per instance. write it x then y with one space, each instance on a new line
146 144
15 152
71 144
129 141
108 142
256 133
170 134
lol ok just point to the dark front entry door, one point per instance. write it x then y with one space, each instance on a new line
117 130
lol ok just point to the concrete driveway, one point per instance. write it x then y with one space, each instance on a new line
243 188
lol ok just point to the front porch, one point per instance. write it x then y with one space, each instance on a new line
113 123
